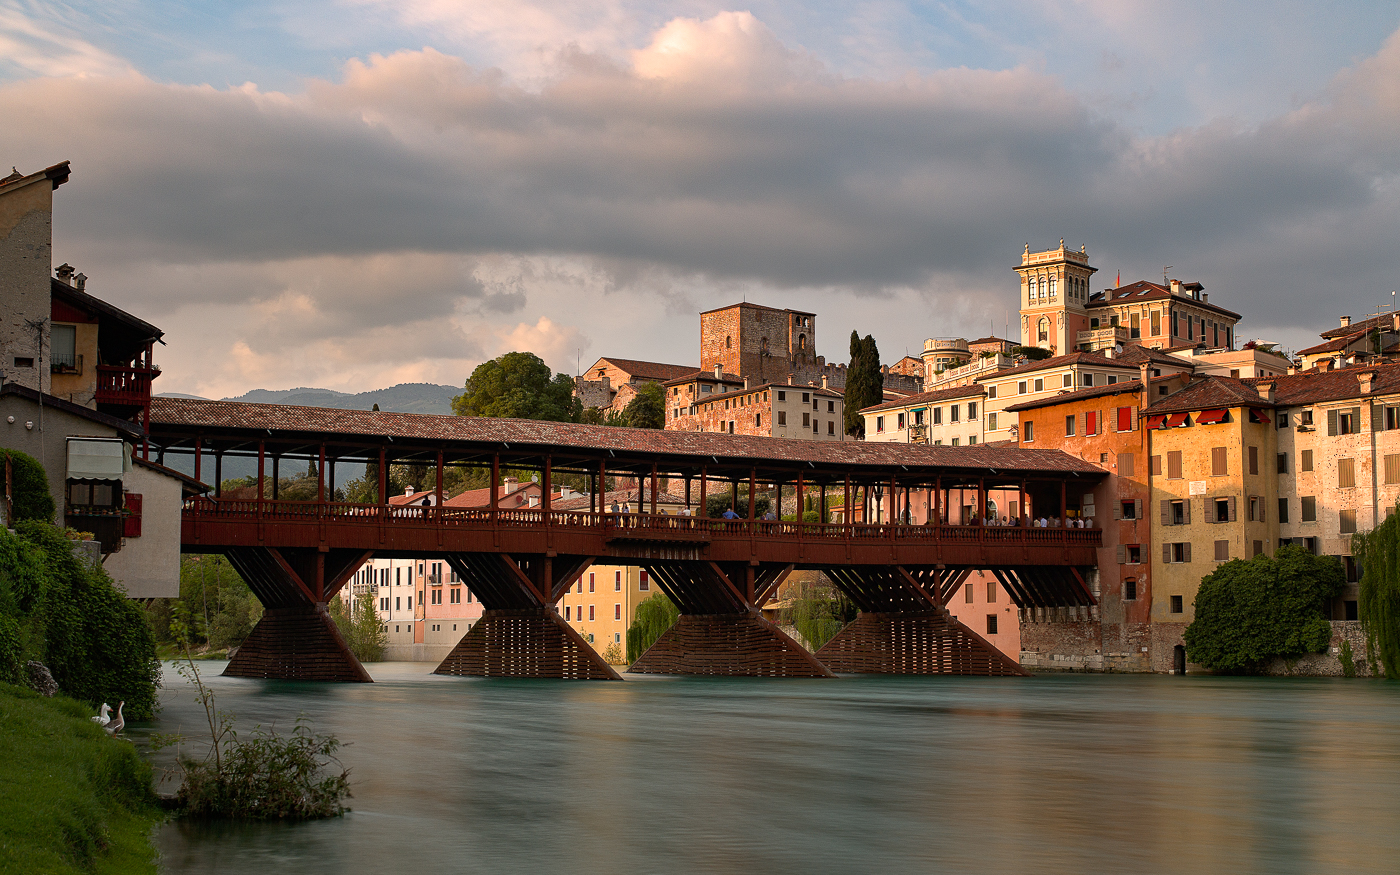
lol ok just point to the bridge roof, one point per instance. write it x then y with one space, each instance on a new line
175 422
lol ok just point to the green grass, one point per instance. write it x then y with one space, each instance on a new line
71 798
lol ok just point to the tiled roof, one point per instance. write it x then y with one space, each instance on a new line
1059 361
974 391
992 339
1118 388
482 497
655 370
1383 321
1337 345
1209 393
749 306
582 502
1143 290
1313 387
1136 355
704 376
683 447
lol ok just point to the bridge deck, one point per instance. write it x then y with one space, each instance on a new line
217 524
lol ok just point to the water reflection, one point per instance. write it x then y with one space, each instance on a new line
1053 774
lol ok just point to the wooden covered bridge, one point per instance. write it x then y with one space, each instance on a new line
296 555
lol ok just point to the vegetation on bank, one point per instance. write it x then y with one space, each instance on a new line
216 609
72 799
1251 611
362 629
62 610
653 616
817 611
1378 608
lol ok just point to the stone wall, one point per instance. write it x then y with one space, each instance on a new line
1068 646
1329 664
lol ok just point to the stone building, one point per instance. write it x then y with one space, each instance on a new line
781 410
26 245
610 383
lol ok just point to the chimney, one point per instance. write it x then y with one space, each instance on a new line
80 281
1346 320
1364 378
1145 375
1266 391
1176 287
792 380
511 484
824 385
408 490
1324 365
746 384
719 371
65 273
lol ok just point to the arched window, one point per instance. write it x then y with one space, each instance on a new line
1052 287
1042 288
763 345
801 341
1030 290
1043 334
728 342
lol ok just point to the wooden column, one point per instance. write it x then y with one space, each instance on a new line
653 490
383 476
198 446
846 511
822 512
218 473
937 508
982 500
261 451
439 478
800 503
704 482
687 491
753 488
495 486
734 495
592 493
276 479
1063 503
1025 513
546 493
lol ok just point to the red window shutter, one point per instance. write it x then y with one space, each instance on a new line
131 527
1125 419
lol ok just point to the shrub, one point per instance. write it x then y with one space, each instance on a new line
1378 552
363 632
32 499
1249 612
267 777
653 617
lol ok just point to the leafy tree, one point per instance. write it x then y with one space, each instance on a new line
363 631
215 610
818 612
32 499
518 385
1032 353
1378 552
1251 611
717 503
652 617
647 409
865 385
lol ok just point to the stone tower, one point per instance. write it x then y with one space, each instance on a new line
1054 293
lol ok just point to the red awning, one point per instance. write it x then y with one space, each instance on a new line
1175 420
1210 417
1258 416
1156 421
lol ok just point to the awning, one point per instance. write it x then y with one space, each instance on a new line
97 458
1176 419
1156 421
1258 416
1210 417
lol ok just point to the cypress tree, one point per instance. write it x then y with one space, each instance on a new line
865 384
1378 608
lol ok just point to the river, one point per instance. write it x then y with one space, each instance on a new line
1056 773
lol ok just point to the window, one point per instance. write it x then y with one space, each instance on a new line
63 355
1039 385
955 442
1175 513
971 410
991 422
782 396
1135 326
831 407
1128 508
1174 465
1281 418
1021 388
1067 380
1028 432
1305 460
590 613
991 391
1222 551
1256 509
1130 590
644 582
1112 379
1091 422
991 624
831 427
1217 462
1132 554
1257 547
898 419
1156 323
1222 508
1305 417
782 418
879 423
1392 470
991 591
953 412
1069 426
1283 463
1308 506
1343 421
806 397
967 593
1126 465
592 582
1283 510
1392 418
1346 473
1347 519
1254 460
1125 419
1176 553
937 413
1088 379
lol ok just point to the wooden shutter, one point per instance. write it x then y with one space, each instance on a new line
1210 510
131 525
1305 460
1332 423
1118 510
1254 460
1137 508
1218 462
1346 472
1186 550
1234 509
1186 511
1166 553
1154 466
1392 470
1122 554
1125 465
1166 512
1377 415
1356 419
1222 551
1125 419
1174 465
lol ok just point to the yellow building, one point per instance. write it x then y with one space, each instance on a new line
1214 489
601 602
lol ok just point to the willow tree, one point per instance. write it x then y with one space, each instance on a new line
652 617
1378 552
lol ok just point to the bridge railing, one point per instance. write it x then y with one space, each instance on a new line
661 526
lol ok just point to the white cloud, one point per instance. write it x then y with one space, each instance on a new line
33 46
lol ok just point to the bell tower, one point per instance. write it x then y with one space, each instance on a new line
1054 294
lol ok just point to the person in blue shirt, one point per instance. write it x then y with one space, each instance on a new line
729 514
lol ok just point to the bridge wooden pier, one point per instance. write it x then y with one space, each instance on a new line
719 572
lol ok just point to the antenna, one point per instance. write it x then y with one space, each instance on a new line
1164 273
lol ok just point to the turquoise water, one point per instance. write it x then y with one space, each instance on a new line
1064 773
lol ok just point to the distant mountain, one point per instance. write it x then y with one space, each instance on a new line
403 398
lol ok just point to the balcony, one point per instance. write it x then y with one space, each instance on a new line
125 386
66 363
1105 337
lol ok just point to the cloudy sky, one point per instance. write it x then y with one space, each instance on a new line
356 193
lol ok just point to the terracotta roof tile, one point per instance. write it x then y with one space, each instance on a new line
186 416
1336 345
1136 355
1118 388
1312 386
1210 393
654 370
1382 321
1144 290
1074 358
973 391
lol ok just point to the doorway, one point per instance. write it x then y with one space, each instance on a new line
1179 659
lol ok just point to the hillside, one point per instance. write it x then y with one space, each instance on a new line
403 398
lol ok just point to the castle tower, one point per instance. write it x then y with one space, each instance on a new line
1054 293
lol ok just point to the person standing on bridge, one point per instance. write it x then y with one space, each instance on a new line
729 514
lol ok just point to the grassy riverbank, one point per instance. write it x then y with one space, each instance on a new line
71 798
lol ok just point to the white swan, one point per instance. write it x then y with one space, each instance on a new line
103 718
118 723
